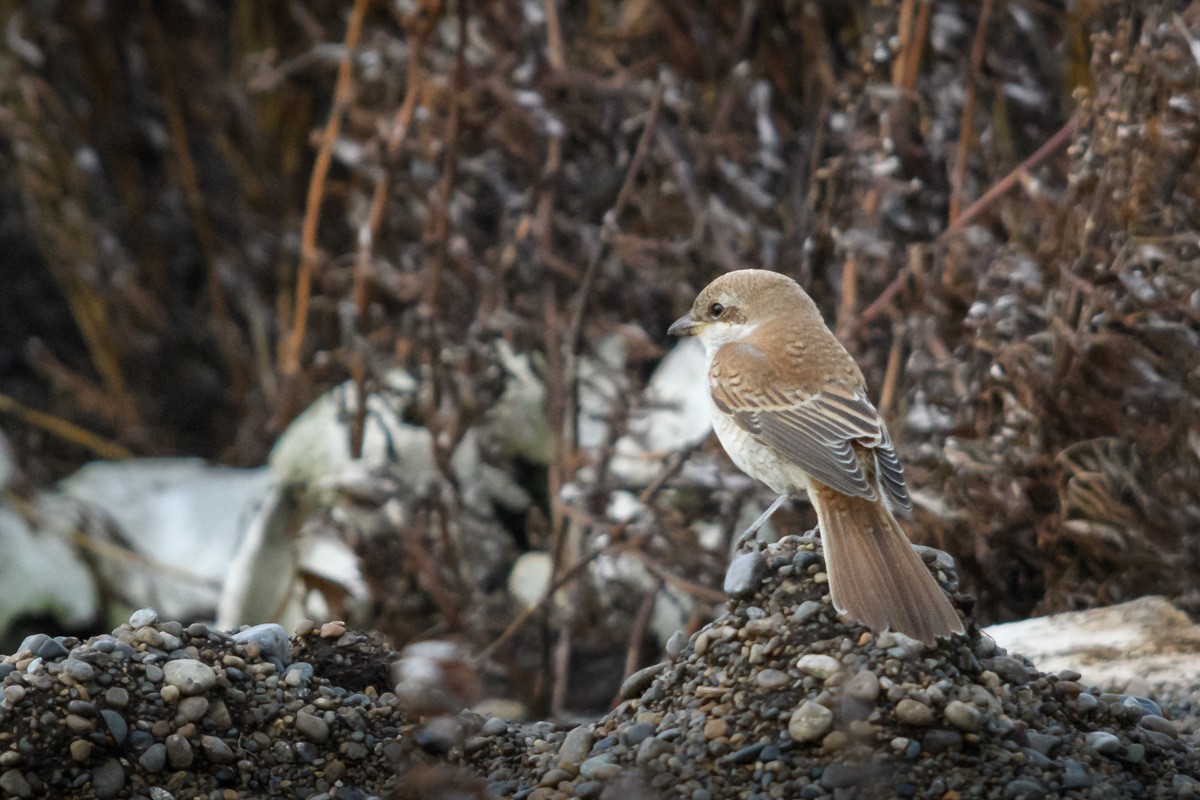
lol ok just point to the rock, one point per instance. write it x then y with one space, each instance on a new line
271 639
818 665
575 748
189 676
143 617
640 681
81 750
494 727
913 712
809 722
154 760
1023 789
1103 742
179 752
745 573
940 741
772 679
116 697
14 784
117 727
1153 722
192 709
52 649
963 716
108 780
864 686
312 727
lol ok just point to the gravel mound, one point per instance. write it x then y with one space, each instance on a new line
775 699
779 699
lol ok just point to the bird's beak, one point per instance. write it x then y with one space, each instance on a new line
684 326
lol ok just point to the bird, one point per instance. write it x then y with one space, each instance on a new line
790 407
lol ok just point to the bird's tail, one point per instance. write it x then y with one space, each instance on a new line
875 575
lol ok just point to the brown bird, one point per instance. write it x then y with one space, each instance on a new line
790 407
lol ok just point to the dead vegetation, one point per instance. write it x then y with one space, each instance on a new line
210 214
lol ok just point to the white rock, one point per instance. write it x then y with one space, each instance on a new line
1147 641
818 665
530 577
189 676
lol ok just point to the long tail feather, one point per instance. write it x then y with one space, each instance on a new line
875 575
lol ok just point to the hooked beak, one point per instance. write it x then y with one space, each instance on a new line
684 326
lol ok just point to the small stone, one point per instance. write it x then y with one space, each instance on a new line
818 665
1075 776
312 727
841 776
117 727
271 639
635 734
914 712
599 768
191 677
715 728
745 573
169 694
1103 742
940 741
962 716
1134 753
215 750
575 748
116 697
78 724
51 650
809 722
193 709
772 679
494 726
651 749
81 750
31 644
333 630
154 760
14 784
675 645
108 780
863 686
1154 722
1024 789
79 671
1008 668
640 681
179 752
1044 743
143 617
805 611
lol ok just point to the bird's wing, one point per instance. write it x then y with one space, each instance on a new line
815 429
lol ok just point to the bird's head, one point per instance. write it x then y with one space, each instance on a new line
736 304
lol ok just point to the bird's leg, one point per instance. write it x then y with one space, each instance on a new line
758 523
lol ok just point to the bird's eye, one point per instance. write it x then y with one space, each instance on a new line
716 309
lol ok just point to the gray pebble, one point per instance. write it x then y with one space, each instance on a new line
941 741
587 790
108 780
52 649
116 697
810 721
1075 776
635 734
575 747
78 670
962 716
32 644
1103 742
312 727
13 782
271 638
863 686
1023 789
179 752
599 767
841 776
640 681
772 679
191 677
805 611
494 726
117 727
1154 722
1044 743
745 573
154 760
215 750
143 617
192 709
1008 668
674 646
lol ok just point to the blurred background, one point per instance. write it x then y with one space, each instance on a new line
358 310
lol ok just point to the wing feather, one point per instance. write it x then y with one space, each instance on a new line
816 430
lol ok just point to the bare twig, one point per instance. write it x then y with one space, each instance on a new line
289 360
962 151
64 429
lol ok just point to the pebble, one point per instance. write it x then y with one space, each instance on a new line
179 752
271 639
312 727
142 618
189 676
116 725
1154 722
52 649
864 686
154 760
1023 789
108 780
818 665
963 716
640 681
81 750
810 721
192 709
914 712
745 573
494 726
14 784
116 697
575 747
805 611
215 750
772 679
1103 742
